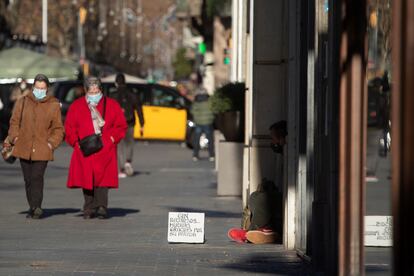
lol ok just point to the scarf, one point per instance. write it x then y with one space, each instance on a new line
97 120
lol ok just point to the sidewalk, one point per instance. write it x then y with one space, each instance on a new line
134 240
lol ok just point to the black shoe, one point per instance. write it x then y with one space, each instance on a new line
37 213
29 213
102 213
88 214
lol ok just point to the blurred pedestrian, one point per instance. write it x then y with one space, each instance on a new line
203 118
90 116
75 93
183 90
384 102
36 130
130 103
19 91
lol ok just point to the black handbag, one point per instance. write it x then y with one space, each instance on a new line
92 143
7 152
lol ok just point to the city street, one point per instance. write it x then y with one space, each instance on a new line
378 177
299 99
378 201
133 241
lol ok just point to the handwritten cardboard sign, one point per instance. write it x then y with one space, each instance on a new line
378 231
185 227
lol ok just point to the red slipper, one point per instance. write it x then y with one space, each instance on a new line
237 235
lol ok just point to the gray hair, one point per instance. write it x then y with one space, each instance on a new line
91 81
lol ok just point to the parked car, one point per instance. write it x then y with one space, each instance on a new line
166 112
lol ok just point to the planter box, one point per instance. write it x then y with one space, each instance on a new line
218 136
231 124
230 169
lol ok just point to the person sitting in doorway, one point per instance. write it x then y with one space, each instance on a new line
264 218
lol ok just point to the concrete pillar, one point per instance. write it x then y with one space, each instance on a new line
402 129
267 94
230 169
352 137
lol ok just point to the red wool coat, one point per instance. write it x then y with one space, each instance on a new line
99 169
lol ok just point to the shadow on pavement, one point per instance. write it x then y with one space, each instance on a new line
136 173
209 213
116 212
273 265
56 212
120 212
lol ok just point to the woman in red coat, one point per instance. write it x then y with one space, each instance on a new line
97 172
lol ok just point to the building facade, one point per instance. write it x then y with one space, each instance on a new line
289 55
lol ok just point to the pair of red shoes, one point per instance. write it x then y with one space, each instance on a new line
260 236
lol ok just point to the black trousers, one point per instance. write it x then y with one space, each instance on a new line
95 198
33 173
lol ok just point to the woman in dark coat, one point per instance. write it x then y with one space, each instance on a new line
98 172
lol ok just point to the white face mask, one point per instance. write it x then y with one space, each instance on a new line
39 93
94 98
23 86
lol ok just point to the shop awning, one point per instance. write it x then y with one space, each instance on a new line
18 63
